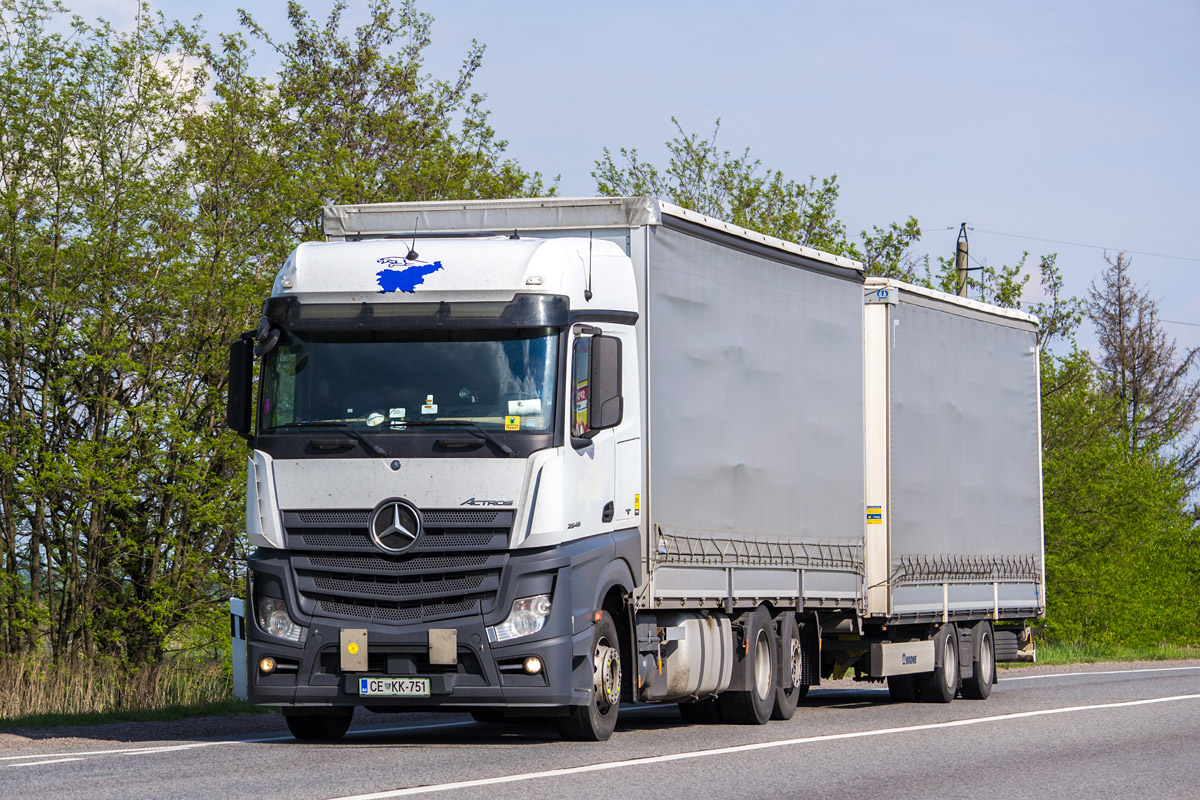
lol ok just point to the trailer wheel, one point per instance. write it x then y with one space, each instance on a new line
596 721
326 726
941 685
904 688
983 672
792 668
701 712
753 706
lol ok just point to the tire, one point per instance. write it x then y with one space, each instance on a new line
753 706
701 712
941 685
792 668
320 727
904 688
596 721
983 667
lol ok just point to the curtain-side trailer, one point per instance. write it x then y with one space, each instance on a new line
537 457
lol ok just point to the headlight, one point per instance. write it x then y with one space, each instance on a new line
528 616
273 619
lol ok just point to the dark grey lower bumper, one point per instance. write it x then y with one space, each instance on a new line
486 674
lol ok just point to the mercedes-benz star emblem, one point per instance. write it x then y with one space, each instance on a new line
395 525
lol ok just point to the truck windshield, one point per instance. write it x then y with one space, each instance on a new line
396 382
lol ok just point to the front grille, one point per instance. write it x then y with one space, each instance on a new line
432 540
454 569
465 518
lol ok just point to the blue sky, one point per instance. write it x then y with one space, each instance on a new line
1074 121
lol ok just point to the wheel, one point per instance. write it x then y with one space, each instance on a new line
701 712
596 721
941 685
327 726
983 669
753 706
792 666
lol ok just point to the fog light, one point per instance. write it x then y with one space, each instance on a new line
266 665
533 665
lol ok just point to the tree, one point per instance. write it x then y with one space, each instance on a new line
140 227
360 121
701 177
1157 398
1120 549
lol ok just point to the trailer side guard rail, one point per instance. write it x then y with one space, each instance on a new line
714 550
938 568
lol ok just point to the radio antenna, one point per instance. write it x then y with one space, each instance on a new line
412 250
587 287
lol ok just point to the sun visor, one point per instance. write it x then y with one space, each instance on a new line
523 311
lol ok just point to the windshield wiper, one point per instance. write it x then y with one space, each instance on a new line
336 424
475 427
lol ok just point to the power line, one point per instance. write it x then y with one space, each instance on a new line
1081 244
1177 322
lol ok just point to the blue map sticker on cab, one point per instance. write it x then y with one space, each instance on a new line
402 275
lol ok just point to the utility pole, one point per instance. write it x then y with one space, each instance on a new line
960 259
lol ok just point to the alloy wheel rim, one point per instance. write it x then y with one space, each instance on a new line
762 665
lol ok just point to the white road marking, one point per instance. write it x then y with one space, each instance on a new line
640 762
1097 672
125 751
35 763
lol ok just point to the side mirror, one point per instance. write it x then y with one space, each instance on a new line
241 371
607 407
596 388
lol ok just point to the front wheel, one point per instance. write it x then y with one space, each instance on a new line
596 721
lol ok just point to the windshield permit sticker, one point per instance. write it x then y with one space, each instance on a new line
430 407
512 423
525 408
402 275
374 419
396 413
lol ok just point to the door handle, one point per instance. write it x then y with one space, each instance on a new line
608 512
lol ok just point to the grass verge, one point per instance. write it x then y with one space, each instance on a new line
37 693
1053 653
215 709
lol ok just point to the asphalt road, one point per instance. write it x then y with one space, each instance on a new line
1101 730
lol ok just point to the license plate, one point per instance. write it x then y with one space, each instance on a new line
394 687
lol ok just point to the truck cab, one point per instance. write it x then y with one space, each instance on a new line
420 407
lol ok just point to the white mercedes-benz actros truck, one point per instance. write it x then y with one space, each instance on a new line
539 458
